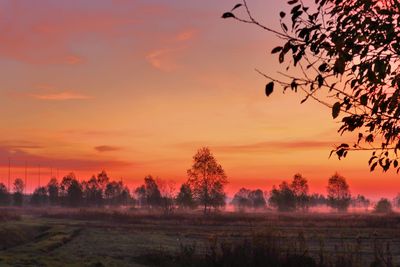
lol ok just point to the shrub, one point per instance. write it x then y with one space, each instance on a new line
383 206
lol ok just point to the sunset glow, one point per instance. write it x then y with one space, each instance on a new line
136 87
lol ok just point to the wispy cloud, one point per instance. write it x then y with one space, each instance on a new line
165 59
61 96
106 148
263 146
20 156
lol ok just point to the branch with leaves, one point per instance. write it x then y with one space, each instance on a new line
348 52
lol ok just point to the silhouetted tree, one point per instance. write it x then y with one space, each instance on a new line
207 180
360 201
317 200
383 206
299 187
283 198
18 191
246 198
153 194
241 199
39 196
141 196
396 201
167 190
185 197
4 195
92 192
53 191
350 50
217 195
113 192
257 199
71 191
338 192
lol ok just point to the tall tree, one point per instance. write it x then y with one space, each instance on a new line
18 191
207 179
4 195
185 198
345 55
153 194
338 192
283 197
92 192
53 191
39 196
300 189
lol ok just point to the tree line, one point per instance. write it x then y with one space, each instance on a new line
204 188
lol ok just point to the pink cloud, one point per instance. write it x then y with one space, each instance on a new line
61 96
106 148
165 59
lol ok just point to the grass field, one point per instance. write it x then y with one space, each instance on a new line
91 237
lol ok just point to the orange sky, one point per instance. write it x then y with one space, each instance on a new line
136 87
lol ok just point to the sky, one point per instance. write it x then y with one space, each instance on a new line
136 87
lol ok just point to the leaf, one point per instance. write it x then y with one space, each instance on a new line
236 6
269 88
276 49
336 110
282 14
323 67
373 166
281 57
227 15
364 100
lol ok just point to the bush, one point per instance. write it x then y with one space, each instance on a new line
383 206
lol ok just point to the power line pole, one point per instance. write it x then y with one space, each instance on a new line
26 178
39 175
9 174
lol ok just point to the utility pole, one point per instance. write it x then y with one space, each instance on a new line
26 178
9 174
39 175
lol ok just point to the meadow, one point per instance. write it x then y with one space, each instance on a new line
126 237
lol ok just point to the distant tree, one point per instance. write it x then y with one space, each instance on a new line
383 206
153 194
207 180
360 201
64 186
283 198
246 198
338 192
185 198
317 200
396 201
18 191
92 192
102 181
53 189
39 196
113 192
71 191
140 193
241 200
4 195
257 199
167 190
350 51
299 187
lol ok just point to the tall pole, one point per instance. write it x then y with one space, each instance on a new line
26 178
39 175
9 174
